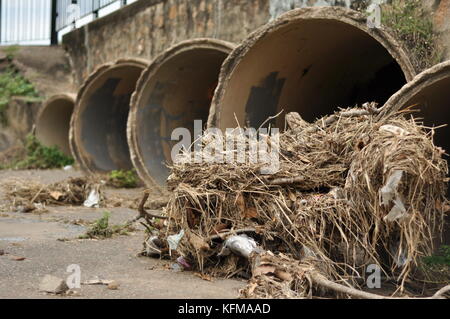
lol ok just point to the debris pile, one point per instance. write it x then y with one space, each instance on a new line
74 191
354 189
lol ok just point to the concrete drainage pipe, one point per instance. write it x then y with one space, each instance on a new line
98 127
312 61
53 121
174 90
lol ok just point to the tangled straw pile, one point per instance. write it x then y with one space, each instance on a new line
73 191
353 189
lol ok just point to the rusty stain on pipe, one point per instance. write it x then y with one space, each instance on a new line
310 60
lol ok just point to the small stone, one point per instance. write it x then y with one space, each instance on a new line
114 285
52 284
2 252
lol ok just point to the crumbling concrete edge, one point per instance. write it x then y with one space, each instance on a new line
146 75
83 159
348 16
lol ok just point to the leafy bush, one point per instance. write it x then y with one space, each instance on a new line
412 26
12 84
441 258
11 51
42 157
123 179
101 228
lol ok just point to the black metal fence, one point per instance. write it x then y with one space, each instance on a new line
31 22
69 10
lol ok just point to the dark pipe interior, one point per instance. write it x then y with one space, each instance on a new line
178 93
103 117
312 67
52 127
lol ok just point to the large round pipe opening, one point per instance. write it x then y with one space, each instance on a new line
312 61
53 122
98 130
173 92
429 93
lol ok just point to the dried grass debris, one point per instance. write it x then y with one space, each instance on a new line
338 200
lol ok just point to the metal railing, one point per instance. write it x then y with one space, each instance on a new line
30 22
68 11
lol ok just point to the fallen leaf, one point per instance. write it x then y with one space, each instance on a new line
251 212
262 270
98 282
56 195
252 288
240 203
292 196
198 242
113 285
192 218
283 275
218 228
204 276
17 258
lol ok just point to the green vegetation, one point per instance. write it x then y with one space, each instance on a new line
441 258
12 84
412 26
436 268
11 51
41 157
102 229
123 179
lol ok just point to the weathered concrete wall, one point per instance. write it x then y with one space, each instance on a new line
148 27
48 69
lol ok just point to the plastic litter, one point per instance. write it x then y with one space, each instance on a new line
397 212
174 240
389 191
241 245
93 199
393 130
183 262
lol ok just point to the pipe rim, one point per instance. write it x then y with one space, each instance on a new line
347 16
146 76
425 79
97 73
69 97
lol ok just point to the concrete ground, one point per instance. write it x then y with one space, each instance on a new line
37 238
